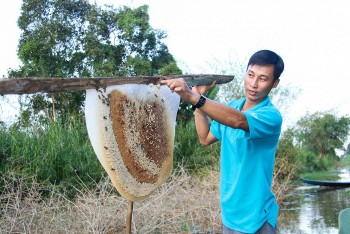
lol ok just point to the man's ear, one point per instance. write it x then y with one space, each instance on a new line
275 83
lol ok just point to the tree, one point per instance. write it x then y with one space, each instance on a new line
71 38
323 133
120 42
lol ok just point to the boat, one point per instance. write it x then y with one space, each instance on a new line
327 183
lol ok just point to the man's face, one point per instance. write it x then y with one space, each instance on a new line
258 82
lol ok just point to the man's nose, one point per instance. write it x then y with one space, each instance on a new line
254 82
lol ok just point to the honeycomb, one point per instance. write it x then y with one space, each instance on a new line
132 129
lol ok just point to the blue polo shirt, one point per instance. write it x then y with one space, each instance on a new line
247 162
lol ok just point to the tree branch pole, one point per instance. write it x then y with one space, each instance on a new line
54 85
129 217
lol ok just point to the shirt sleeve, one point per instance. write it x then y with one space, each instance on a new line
215 129
264 122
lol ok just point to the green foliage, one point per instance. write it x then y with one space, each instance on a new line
185 113
52 154
73 38
301 158
346 160
61 154
311 144
120 42
311 162
287 162
189 153
322 133
170 69
324 175
51 31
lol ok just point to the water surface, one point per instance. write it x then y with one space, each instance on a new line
314 209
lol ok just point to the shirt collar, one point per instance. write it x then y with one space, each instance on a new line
261 104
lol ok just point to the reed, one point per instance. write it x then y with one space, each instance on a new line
190 154
55 154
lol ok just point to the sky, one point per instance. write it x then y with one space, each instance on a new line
312 37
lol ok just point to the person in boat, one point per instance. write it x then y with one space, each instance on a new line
248 129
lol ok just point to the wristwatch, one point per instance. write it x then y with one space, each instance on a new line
200 103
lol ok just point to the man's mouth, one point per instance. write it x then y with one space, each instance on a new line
253 93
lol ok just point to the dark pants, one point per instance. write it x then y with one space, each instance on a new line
265 229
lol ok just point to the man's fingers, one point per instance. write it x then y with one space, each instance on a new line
179 89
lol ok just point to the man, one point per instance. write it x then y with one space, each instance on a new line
249 130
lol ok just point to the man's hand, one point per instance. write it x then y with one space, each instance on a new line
180 87
203 89
176 85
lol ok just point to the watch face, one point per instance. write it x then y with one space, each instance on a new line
201 101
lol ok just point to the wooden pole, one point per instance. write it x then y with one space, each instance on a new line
53 85
129 217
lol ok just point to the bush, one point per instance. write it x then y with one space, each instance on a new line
311 161
61 155
189 153
346 160
55 154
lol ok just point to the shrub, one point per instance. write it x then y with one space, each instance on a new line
55 154
190 153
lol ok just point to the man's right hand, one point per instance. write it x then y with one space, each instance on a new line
203 89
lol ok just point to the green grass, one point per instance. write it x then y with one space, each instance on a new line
55 154
61 155
323 175
346 160
190 154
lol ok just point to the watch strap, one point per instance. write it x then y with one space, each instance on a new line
200 103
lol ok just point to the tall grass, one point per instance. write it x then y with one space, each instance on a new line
190 154
55 154
61 154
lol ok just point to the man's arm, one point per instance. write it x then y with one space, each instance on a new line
225 115
221 113
203 128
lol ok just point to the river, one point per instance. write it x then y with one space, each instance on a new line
314 209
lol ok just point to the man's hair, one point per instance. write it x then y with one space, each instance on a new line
268 57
